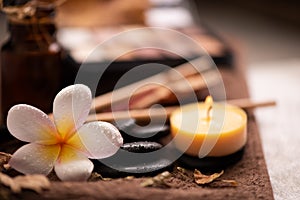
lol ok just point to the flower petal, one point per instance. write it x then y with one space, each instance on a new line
35 158
30 124
98 139
71 107
73 165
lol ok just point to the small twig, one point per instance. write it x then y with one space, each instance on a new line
165 112
140 115
166 77
231 182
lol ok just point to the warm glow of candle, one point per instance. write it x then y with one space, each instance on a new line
209 129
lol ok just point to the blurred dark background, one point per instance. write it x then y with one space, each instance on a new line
268 30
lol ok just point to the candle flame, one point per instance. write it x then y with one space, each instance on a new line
208 102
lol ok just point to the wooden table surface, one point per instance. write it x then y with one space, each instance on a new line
279 126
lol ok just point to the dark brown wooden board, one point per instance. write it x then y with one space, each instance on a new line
250 172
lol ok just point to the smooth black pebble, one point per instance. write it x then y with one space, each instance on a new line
137 158
210 163
125 124
132 132
141 147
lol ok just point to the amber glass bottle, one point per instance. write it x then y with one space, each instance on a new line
31 70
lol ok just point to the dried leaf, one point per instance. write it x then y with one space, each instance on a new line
148 182
4 158
202 179
96 177
231 182
158 180
129 177
182 170
34 182
183 173
6 166
107 179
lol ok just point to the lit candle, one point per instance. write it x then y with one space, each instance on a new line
209 129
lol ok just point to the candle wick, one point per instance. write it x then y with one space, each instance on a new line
208 112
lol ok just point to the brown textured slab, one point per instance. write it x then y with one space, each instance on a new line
250 172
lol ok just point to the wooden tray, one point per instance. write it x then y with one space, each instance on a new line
250 172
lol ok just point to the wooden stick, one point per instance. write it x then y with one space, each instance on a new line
118 95
181 88
140 115
165 112
249 104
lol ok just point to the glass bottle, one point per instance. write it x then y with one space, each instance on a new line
31 63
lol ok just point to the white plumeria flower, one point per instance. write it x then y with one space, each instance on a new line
66 144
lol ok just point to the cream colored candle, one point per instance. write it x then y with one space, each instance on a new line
209 129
